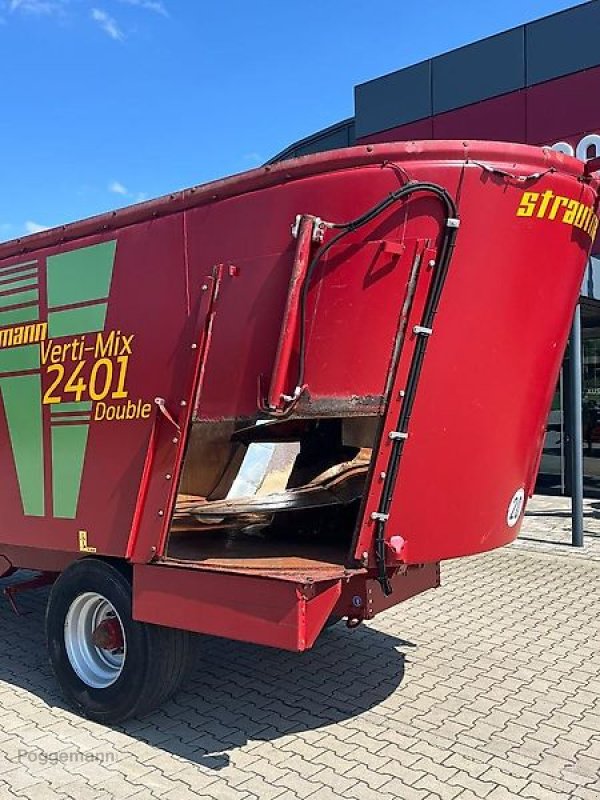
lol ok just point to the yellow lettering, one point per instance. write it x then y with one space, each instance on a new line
527 204
83 543
546 197
56 353
104 346
547 204
569 214
583 214
558 202
45 351
41 331
6 337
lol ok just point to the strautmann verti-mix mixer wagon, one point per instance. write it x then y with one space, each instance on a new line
257 406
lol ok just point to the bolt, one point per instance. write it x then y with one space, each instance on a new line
183 404
382 475
176 440
204 287
194 346
168 477
161 513
432 263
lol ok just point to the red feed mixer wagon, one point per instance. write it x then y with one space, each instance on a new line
267 403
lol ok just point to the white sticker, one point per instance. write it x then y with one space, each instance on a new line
515 507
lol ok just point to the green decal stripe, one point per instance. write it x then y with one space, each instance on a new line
22 396
70 418
25 314
80 275
21 283
16 267
75 321
62 408
17 359
5 280
19 298
68 453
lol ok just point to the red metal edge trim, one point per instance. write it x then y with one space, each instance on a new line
140 501
271 175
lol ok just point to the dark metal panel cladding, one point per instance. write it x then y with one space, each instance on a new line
339 135
329 141
480 70
394 99
563 43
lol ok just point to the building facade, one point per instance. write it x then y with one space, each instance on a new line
536 84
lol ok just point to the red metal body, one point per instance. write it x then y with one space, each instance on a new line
203 300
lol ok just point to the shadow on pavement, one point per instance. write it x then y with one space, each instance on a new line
238 693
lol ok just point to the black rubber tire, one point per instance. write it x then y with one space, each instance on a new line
157 662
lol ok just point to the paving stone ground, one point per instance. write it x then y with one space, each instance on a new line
485 688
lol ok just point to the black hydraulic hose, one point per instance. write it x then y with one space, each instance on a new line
401 431
431 305
344 228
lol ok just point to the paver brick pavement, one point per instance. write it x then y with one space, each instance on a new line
485 688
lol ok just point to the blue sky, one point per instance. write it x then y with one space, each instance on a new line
106 102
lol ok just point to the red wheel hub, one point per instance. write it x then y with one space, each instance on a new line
108 635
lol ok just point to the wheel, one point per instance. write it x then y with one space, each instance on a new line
108 666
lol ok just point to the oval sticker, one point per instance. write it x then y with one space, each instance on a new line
515 507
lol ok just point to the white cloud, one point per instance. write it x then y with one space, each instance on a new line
149 5
64 9
35 6
117 188
108 24
34 227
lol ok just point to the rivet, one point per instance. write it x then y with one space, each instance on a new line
161 513
183 403
168 477
176 440
194 346
432 263
382 475
204 287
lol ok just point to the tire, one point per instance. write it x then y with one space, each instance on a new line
140 665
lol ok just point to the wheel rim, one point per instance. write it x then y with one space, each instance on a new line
95 640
